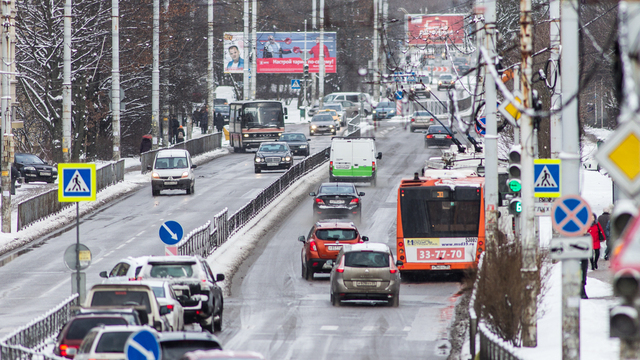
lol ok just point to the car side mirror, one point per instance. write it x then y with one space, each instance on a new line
361 193
286 111
193 166
157 325
399 263
308 139
326 154
379 157
312 194
148 167
103 274
164 310
365 238
219 277
301 238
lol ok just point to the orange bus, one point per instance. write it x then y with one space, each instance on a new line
440 222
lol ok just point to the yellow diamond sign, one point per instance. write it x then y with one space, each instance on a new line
620 156
509 110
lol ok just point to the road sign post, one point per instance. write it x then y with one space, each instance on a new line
77 182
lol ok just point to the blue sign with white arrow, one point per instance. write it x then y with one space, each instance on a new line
142 345
295 84
171 232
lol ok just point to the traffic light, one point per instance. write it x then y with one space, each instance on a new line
624 322
514 182
305 70
624 211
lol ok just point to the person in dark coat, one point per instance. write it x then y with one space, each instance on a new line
204 119
180 134
218 121
603 220
145 145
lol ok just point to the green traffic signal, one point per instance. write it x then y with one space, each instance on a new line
515 206
515 185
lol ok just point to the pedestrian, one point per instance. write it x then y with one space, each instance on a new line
603 220
204 119
597 235
218 121
174 128
145 145
179 134
584 266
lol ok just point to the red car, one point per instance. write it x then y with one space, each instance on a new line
74 331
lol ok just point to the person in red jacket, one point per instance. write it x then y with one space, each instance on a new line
597 235
315 51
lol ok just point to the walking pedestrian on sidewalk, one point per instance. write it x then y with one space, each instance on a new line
597 235
603 220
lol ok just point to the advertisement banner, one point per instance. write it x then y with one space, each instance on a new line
434 29
281 52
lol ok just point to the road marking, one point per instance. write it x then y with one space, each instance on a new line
407 328
369 328
130 240
121 245
140 233
46 293
329 328
422 328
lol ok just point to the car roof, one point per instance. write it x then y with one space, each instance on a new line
172 259
368 246
335 223
118 328
187 335
172 153
294 133
104 312
128 284
222 354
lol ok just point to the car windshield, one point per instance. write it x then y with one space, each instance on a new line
171 163
352 98
446 77
336 234
222 109
293 137
322 118
420 113
330 112
460 60
113 342
171 270
385 105
80 327
272 148
366 259
121 298
437 129
173 350
334 190
333 106
28 159
158 291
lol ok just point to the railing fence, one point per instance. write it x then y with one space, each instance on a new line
195 147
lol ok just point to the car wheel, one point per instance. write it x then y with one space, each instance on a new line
308 273
155 192
335 300
209 327
193 188
188 190
374 181
308 152
395 301
257 170
217 324
412 129
50 181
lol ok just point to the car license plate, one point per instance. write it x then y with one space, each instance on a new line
366 283
440 267
334 247
272 164
336 201
171 183
343 166
45 173
441 136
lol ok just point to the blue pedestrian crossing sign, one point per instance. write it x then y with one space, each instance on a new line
142 345
77 182
295 84
171 232
546 175
571 215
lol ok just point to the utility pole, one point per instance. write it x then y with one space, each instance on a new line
7 144
375 62
530 273
314 27
66 85
155 77
556 97
385 20
321 50
254 47
115 78
245 40
210 82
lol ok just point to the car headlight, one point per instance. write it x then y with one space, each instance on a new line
392 111
31 168
185 174
303 146
258 159
245 135
330 126
374 111
313 126
439 82
155 175
287 158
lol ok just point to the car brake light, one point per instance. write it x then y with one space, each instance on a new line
340 267
319 201
393 268
312 245
330 165
448 136
373 166
170 307
354 201
431 119
429 136
413 120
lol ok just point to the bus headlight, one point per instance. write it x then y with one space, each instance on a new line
245 135
313 127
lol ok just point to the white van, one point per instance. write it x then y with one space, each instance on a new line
353 160
354 97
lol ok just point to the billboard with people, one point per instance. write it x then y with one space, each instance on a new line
281 52
434 29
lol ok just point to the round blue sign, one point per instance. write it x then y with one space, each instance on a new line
171 232
142 345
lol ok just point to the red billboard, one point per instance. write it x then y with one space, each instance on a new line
434 29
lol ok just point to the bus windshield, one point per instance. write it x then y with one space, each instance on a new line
263 115
426 215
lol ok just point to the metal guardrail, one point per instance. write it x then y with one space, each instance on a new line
25 342
195 146
46 204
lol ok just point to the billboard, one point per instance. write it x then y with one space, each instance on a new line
434 29
281 52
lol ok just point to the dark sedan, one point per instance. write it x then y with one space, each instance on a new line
337 200
438 135
298 143
322 124
273 156
32 168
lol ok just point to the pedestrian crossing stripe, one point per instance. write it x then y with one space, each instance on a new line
546 173
77 182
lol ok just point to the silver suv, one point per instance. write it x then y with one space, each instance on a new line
172 169
195 286
365 271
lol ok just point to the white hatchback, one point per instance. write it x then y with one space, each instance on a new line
172 169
